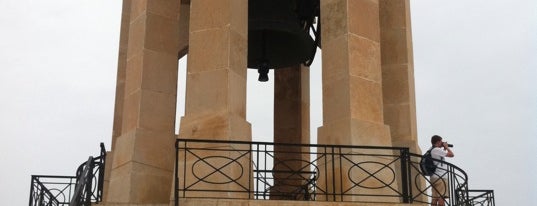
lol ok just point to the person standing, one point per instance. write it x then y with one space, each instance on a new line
439 151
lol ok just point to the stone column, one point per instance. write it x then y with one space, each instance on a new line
215 105
352 92
120 90
398 76
398 73
142 166
291 126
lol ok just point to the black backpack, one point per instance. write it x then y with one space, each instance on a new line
427 165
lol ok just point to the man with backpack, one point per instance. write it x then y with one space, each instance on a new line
439 151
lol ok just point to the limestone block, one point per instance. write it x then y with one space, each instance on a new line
336 132
366 100
207 92
124 151
208 50
157 111
161 34
107 172
336 100
139 183
165 8
155 149
364 58
151 185
120 184
239 16
151 31
395 47
121 71
400 122
363 17
218 91
393 13
159 72
218 126
209 14
240 129
131 111
237 93
138 8
147 147
238 53
133 73
397 85
370 133
335 59
334 18
137 30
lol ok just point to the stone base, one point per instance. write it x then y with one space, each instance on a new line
228 202
128 204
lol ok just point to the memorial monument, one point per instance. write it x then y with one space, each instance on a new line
367 81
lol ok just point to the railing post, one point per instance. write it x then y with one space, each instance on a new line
31 190
176 176
405 173
89 184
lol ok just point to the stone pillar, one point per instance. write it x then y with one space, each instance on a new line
143 150
121 70
291 126
398 76
215 106
352 89
120 91
398 73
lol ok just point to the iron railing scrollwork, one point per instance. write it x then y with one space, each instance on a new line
80 190
311 172
452 177
258 170
478 198
40 195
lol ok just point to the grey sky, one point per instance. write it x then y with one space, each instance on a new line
475 72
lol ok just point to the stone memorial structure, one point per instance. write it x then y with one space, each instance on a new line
367 86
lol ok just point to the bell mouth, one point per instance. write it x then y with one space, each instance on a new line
278 49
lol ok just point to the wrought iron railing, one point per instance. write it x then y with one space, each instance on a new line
259 170
452 177
479 197
80 190
311 172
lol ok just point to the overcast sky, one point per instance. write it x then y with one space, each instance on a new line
475 72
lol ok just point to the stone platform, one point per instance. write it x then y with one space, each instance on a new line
228 202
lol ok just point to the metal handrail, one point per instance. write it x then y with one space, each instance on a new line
208 165
81 189
455 178
480 197
82 194
40 195
214 156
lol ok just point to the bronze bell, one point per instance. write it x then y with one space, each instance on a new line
278 34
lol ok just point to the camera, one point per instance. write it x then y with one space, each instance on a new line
449 145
